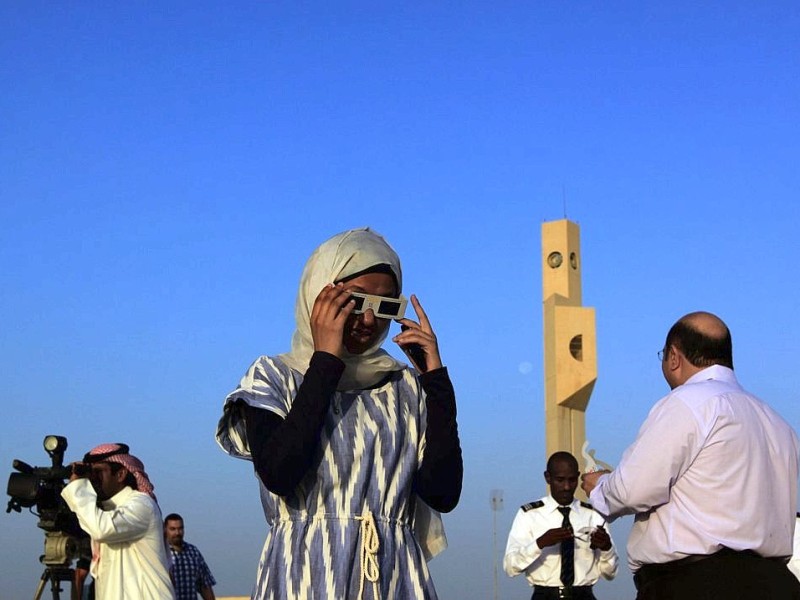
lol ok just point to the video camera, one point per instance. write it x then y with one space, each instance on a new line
41 487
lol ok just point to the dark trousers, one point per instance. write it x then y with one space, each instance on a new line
583 592
727 575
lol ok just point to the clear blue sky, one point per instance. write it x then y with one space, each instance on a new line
166 169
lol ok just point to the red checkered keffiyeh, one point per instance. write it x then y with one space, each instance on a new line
118 453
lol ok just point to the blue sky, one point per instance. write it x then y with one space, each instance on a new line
165 171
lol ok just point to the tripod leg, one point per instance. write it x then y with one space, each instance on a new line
55 576
55 586
59 575
40 587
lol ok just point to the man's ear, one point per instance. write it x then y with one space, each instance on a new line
547 477
674 359
121 475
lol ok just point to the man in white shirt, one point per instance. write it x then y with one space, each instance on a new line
559 543
794 561
711 478
115 505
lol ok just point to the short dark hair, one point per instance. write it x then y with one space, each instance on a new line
130 480
701 349
173 517
561 456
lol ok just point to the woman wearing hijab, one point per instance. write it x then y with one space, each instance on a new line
350 446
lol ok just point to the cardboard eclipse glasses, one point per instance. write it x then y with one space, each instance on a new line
381 306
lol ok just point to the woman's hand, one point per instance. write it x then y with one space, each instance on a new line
328 316
421 335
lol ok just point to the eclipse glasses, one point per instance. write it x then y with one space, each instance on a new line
382 307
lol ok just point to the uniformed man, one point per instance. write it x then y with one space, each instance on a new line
559 543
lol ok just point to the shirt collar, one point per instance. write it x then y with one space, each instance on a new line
717 372
552 506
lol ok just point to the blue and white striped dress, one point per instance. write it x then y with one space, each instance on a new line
371 446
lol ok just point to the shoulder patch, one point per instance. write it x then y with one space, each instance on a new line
532 505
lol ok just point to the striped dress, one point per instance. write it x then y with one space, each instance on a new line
346 531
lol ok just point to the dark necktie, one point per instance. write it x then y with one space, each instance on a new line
567 551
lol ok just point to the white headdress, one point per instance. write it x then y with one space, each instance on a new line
340 257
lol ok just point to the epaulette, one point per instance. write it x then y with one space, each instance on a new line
587 505
532 505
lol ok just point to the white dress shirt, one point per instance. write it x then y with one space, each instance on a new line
130 557
712 466
542 566
794 562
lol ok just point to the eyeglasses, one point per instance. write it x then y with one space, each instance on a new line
381 306
662 354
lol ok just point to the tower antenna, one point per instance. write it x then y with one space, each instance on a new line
497 504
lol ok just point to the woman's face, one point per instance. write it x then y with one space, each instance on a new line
361 331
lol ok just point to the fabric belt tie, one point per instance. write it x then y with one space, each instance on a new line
370 544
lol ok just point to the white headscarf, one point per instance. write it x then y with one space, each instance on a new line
342 256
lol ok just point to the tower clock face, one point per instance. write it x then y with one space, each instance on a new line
573 260
554 259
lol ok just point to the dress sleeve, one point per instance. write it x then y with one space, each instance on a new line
268 384
438 481
283 448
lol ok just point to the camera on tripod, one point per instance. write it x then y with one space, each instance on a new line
40 487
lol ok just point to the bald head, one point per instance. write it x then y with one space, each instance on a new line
703 338
706 324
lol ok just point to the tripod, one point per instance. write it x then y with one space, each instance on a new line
55 575
60 549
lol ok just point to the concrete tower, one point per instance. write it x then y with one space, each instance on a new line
570 348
